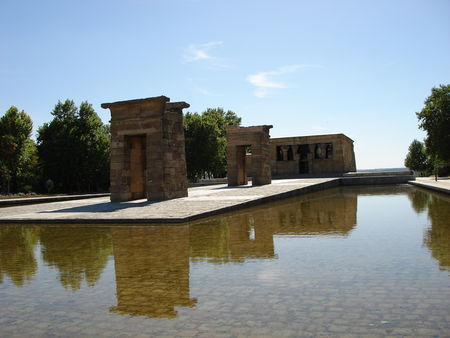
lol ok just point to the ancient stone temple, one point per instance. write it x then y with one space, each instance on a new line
316 154
239 141
147 149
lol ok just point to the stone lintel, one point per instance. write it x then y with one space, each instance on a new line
310 138
136 101
176 106
238 129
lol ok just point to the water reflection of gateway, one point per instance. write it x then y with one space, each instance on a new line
249 234
152 270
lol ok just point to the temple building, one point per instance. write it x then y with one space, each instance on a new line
317 154
310 155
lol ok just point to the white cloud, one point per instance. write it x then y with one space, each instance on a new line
263 81
200 52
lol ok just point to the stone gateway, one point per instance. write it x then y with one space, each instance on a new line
241 139
147 149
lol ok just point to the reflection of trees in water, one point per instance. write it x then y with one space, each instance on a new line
17 259
230 239
419 200
209 241
80 254
437 236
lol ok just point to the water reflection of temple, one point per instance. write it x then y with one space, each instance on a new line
249 234
152 263
152 270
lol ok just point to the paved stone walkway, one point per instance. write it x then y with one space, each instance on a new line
46 199
202 202
442 185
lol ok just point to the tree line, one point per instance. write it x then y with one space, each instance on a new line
71 153
432 155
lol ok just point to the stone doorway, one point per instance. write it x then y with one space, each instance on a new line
240 165
303 162
137 151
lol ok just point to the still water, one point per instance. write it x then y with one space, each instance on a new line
346 261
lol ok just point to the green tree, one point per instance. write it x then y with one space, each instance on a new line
206 142
417 159
74 148
434 118
17 150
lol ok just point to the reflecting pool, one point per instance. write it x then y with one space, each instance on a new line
346 261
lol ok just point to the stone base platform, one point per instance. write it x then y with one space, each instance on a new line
202 202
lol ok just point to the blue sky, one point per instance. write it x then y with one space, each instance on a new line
362 68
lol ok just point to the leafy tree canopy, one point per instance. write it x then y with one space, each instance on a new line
16 147
206 142
434 118
417 159
74 148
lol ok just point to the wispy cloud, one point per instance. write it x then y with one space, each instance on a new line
204 52
263 81
200 52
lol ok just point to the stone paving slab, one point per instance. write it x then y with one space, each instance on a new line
442 185
201 202
47 199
